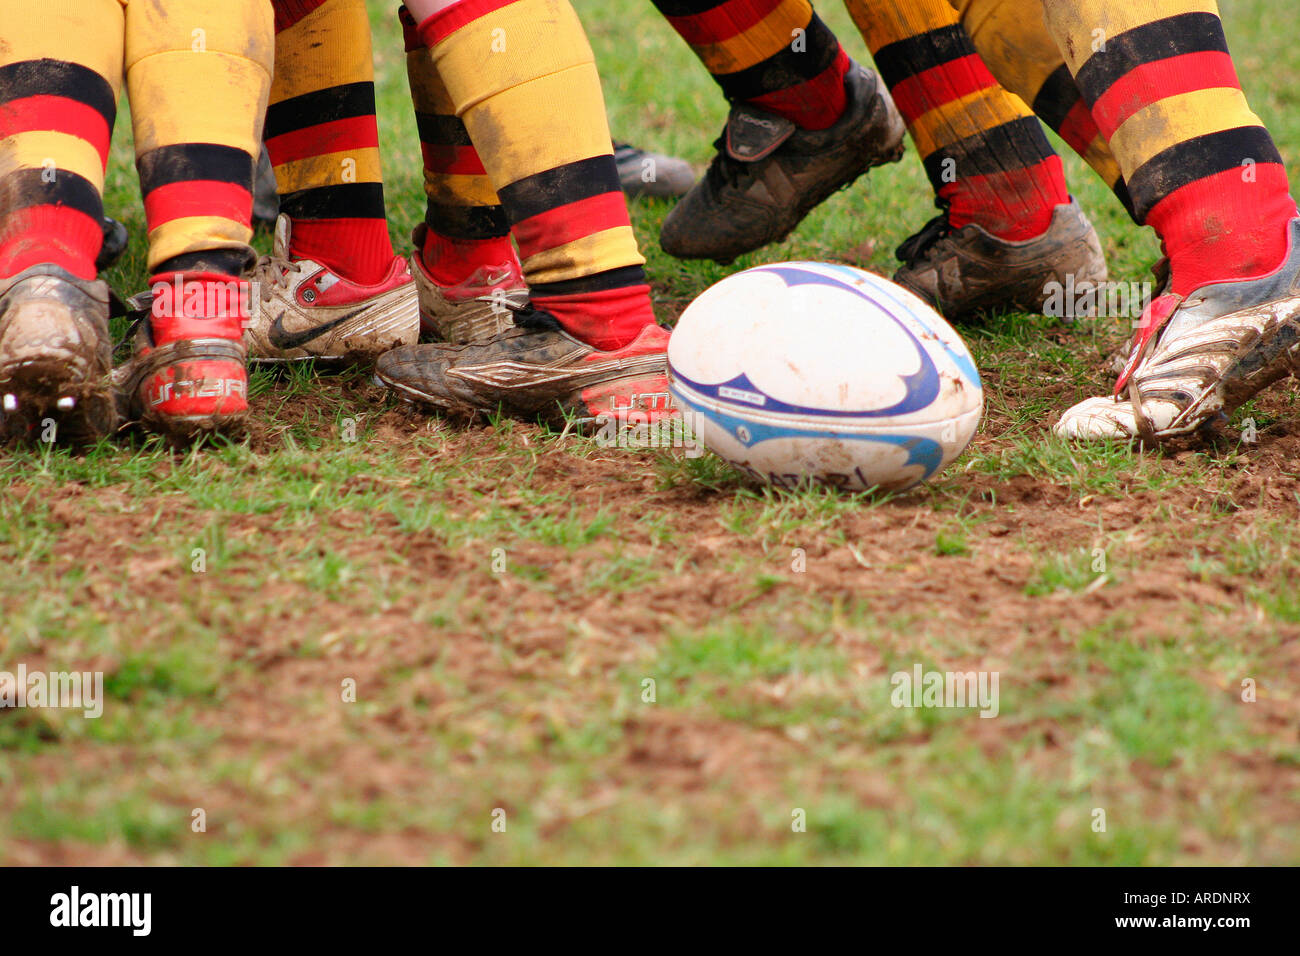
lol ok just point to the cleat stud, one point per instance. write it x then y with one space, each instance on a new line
11 403
67 403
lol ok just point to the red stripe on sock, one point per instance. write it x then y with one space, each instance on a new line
360 250
444 23
58 114
1152 82
1078 129
722 22
198 197
568 222
609 319
50 234
1013 205
356 132
458 160
1223 227
815 103
918 94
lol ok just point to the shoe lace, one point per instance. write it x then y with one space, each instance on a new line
278 270
919 246
723 169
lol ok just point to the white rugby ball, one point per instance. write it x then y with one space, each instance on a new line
808 372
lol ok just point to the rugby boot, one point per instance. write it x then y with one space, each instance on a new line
768 173
536 369
187 375
964 271
473 310
55 357
304 310
1198 357
642 173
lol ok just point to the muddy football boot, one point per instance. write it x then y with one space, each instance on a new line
115 240
537 369
768 173
188 375
474 310
967 270
1200 356
655 175
306 311
55 357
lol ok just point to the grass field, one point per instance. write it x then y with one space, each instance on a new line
629 656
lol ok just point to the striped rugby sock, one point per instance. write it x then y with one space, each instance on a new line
1201 168
1013 41
60 74
196 165
467 226
984 152
775 54
535 111
323 138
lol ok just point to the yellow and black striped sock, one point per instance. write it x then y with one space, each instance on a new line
1013 41
323 137
523 80
467 229
1201 168
985 153
60 75
196 165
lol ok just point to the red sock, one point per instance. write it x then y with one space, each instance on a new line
52 234
357 249
451 262
608 319
815 103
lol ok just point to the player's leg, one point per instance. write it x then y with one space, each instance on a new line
333 286
464 265
60 73
522 78
1204 173
1009 226
805 121
198 78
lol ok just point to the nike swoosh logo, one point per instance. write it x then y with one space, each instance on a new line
281 338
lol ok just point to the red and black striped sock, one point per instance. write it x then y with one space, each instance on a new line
323 137
1200 167
985 154
775 54
56 123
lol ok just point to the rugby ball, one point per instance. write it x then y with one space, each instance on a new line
809 372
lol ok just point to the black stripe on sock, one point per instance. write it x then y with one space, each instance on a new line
346 201
907 57
785 69
612 279
322 106
1018 144
187 162
438 130
231 262
1186 162
1149 43
58 78
1121 193
467 222
686 8
26 188
1056 97
551 188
